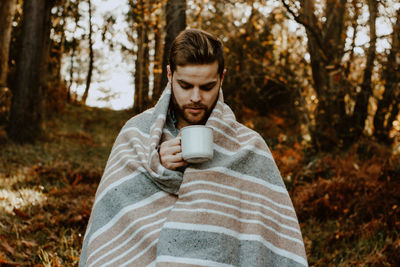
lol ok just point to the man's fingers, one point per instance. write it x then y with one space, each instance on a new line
173 166
173 158
172 161
169 151
176 158
173 150
170 147
170 154
173 142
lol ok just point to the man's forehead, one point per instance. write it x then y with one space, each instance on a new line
204 71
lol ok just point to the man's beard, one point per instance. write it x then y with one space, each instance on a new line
180 111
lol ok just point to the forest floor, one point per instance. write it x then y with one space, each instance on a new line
348 203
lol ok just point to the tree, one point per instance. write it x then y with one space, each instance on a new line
388 105
7 9
326 48
334 125
72 16
176 22
157 69
27 109
141 100
361 108
72 46
91 56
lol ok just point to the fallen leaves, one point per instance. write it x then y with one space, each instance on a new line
21 214
47 188
29 244
78 179
55 227
7 247
346 200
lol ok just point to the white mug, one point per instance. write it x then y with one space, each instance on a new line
197 143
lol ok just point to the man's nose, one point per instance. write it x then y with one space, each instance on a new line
195 97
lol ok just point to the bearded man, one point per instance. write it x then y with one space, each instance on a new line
153 208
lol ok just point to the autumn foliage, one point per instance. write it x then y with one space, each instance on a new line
347 203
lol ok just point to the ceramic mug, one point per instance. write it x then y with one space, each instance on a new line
197 143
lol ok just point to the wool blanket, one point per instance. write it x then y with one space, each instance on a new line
231 211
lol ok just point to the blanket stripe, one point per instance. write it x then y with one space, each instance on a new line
231 211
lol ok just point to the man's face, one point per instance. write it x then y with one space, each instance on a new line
195 91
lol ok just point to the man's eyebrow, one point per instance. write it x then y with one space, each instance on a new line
209 84
202 85
184 82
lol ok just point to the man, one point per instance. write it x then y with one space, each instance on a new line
152 208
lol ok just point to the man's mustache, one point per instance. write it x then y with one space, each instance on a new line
195 106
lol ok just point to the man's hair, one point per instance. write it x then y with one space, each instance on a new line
194 46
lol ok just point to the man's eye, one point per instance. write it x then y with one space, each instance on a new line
207 88
185 86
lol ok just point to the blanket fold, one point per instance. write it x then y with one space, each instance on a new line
231 211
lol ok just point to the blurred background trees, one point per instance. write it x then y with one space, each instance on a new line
175 23
319 80
28 89
321 69
7 10
343 107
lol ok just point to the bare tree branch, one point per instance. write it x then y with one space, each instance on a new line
299 19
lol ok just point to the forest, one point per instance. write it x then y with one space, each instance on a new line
318 79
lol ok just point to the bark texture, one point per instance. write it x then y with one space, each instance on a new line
27 107
91 56
7 9
388 105
176 22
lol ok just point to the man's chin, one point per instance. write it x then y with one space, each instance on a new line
193 120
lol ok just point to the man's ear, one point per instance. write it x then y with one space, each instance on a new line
169 74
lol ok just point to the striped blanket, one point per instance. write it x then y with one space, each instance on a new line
231 211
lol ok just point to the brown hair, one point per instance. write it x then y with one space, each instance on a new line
194 46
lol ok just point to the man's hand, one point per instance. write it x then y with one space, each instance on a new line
171 153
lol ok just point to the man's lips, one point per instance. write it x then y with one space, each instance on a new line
195 110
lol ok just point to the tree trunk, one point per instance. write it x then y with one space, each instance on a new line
157 69
91 56
142 62
388 105
176 22
71 72
48 70
145 71
26 110
393 114
354 24
61 44
74 45
139 69
7 9
326 51
361 108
